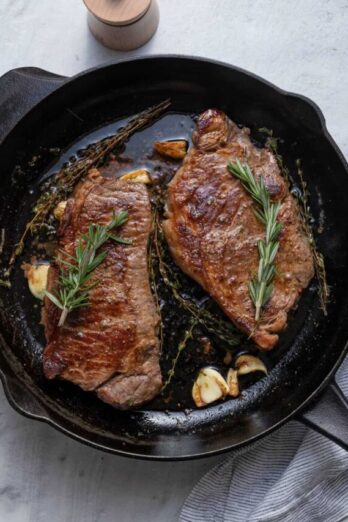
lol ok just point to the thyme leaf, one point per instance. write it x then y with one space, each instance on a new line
225 330
63 183
188 334
319 264
306 217
153 240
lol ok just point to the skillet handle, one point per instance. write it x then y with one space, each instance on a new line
22 400
329 416
20 90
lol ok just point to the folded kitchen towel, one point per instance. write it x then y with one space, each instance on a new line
293 475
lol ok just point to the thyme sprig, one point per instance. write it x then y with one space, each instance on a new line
75 274
261 286
302 198
188 334
62 184
318 258
153 239
225 330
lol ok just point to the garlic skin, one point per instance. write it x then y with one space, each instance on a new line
137 176
232 383
37 279
209 387
249 363
228 358
59 210
174 149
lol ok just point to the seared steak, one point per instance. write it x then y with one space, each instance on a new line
110 346
212 231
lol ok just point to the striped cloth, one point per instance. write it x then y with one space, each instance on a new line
293 475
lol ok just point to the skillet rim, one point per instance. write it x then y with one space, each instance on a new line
5 372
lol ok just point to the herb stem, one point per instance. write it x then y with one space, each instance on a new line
258 304
153 241
74 283
303 200
318 258
188 334
225 330
63 316
261 286
62 184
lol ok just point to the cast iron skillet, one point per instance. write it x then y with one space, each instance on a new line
41 111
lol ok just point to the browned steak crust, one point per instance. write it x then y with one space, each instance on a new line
111 346
212 231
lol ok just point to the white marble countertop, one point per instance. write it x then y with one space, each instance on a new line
300 46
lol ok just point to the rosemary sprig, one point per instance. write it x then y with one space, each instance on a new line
261 287
306 217
63 183
76 271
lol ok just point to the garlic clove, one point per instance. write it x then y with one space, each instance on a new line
59 210
37 278
209 387
196 395
232 382
137 176
249 363
175 149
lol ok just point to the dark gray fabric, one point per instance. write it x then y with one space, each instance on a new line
293 475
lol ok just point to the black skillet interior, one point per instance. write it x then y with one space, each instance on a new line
312 345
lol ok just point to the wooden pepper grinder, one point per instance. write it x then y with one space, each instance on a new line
122 24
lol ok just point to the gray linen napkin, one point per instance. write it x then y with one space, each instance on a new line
293 475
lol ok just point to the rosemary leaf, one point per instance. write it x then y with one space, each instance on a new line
261 287
62 184
74 283
319 263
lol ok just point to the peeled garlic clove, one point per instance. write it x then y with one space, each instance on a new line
37 279
59 210
209 387
232 383
137 176
196 395
249 363
175 149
